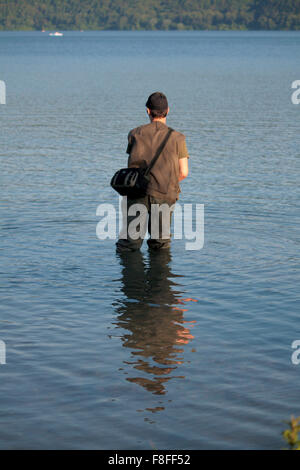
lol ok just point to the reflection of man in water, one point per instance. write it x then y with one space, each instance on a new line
148 313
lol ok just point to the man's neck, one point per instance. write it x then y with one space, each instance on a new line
163 120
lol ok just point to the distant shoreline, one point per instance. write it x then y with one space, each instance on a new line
150 15
25 30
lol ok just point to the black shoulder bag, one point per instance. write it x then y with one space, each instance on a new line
133 182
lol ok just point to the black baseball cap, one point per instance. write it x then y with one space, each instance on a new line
157 101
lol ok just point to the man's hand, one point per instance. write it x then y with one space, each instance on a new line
183 168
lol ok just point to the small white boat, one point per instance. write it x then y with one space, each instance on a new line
56 34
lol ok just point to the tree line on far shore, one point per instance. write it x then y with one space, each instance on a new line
150 14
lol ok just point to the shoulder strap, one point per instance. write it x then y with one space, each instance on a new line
158 152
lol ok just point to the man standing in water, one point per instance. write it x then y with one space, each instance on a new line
163 189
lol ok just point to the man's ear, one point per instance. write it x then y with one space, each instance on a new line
168 111
148 111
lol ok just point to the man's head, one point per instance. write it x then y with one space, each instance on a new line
157 105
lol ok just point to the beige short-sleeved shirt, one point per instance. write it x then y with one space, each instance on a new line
143 142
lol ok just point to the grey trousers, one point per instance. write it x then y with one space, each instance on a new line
156 216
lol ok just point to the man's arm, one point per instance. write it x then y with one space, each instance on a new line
183 168
183 158
129 147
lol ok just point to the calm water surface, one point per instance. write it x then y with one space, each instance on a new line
187 349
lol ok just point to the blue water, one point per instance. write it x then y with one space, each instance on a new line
186 350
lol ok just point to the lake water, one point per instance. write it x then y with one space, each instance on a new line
181 350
